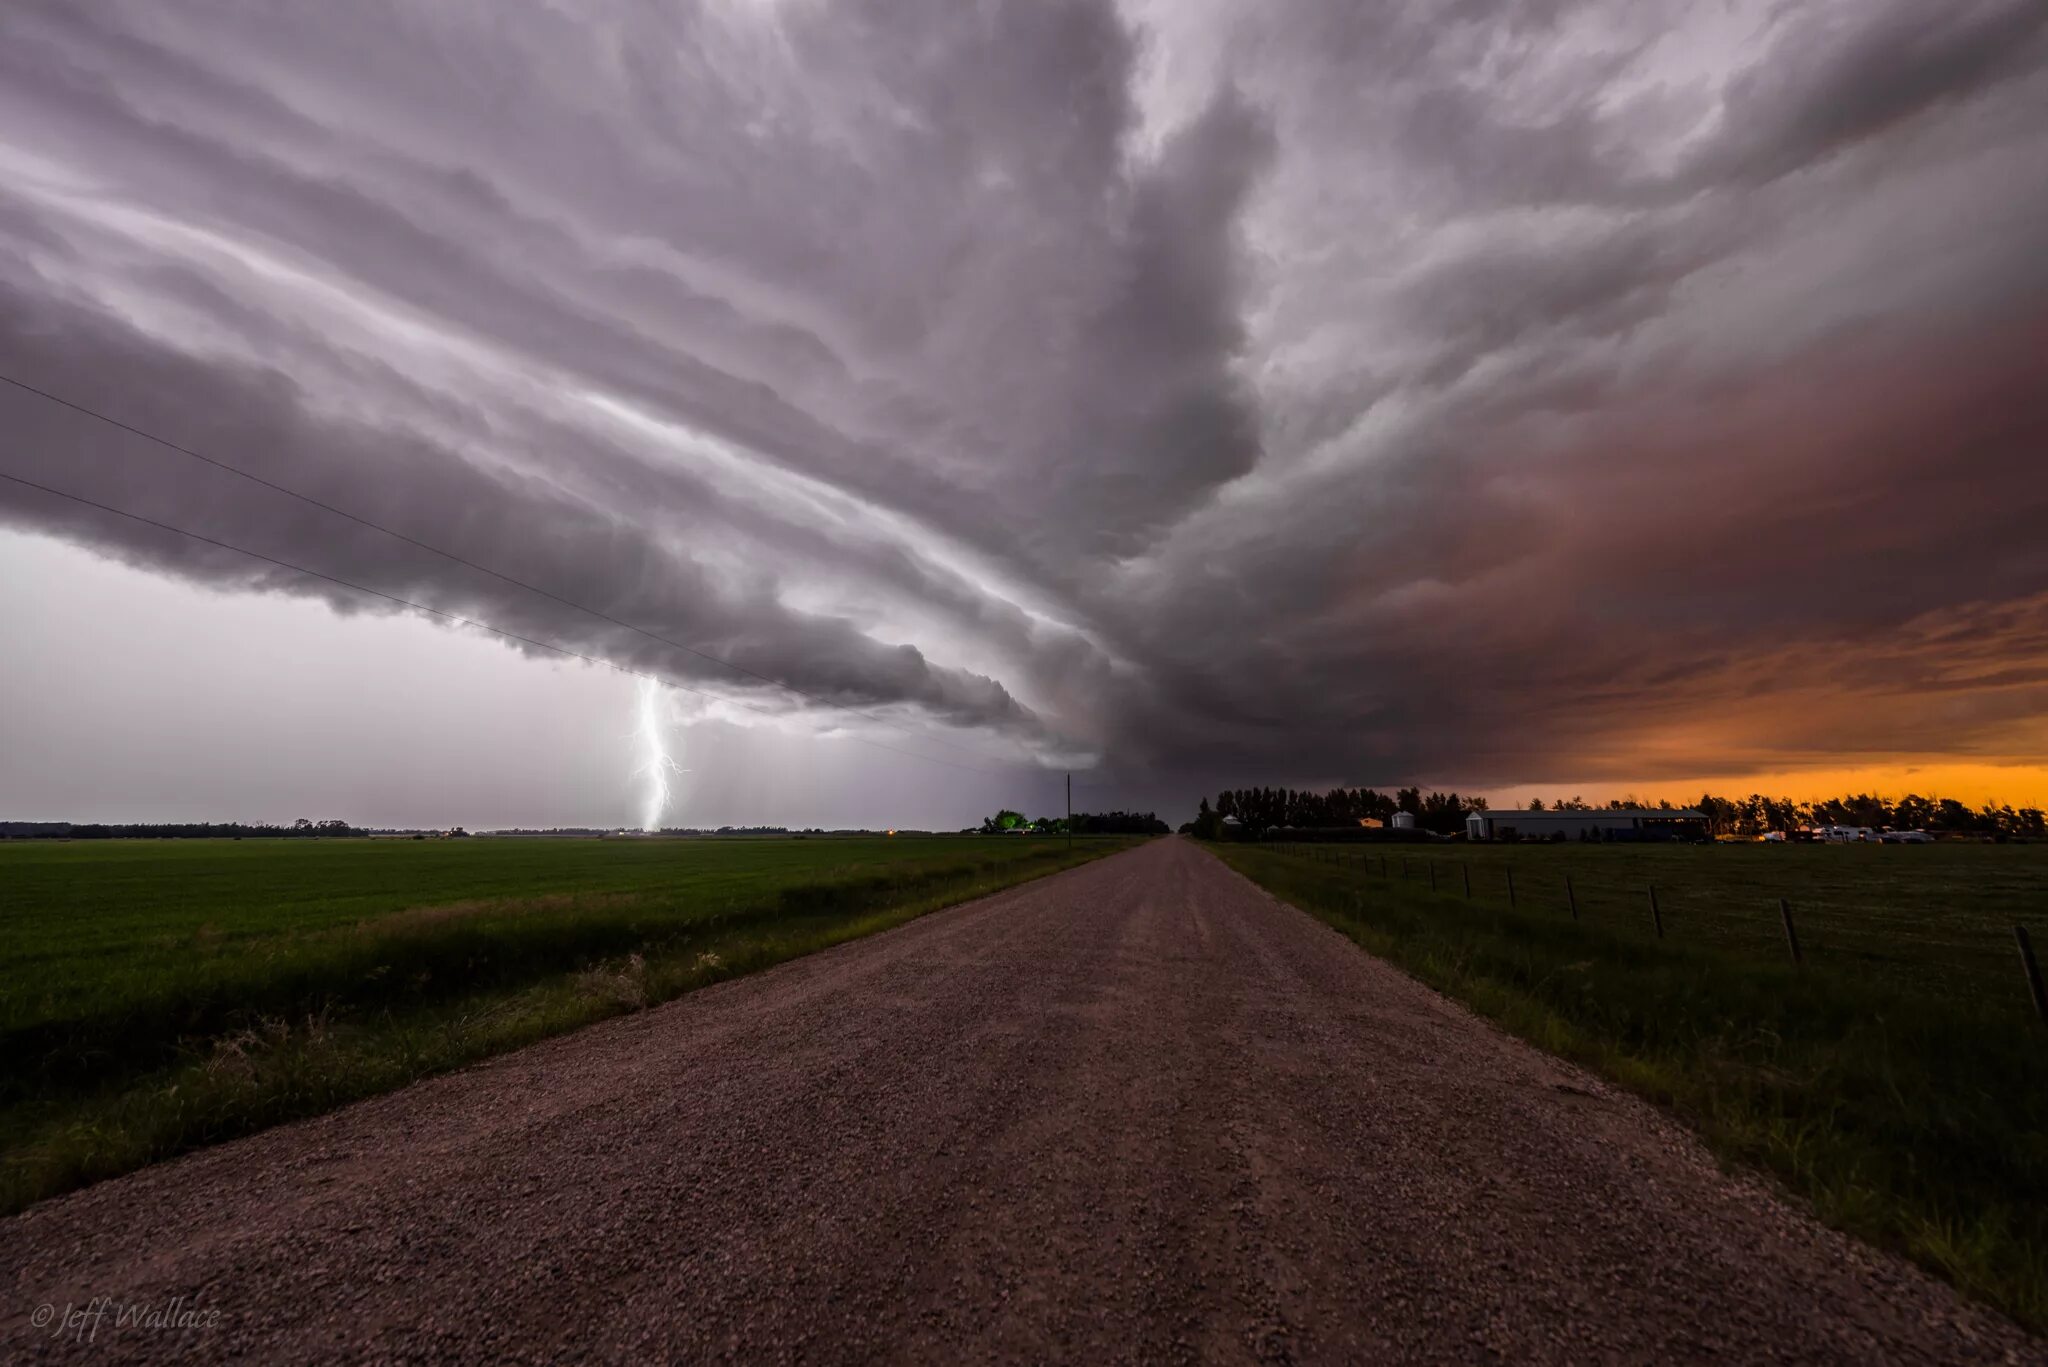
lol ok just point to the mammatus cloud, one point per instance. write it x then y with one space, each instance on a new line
1338 393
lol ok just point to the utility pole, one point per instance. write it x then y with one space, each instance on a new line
1070 813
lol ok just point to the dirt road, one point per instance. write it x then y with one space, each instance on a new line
1138 1111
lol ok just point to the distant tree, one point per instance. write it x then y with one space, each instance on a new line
1443 813
1756 814
1535 804
1376 805
1118 823
1999 820
1783 814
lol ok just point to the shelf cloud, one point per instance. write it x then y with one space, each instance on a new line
1312 393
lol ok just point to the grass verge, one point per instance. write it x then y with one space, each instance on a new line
285 1028
1917 1122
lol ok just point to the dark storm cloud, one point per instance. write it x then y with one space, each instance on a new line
1317 393
512 522
1834 77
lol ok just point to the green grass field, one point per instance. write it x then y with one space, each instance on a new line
1898 1080
159 995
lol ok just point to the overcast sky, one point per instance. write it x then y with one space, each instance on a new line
1590 396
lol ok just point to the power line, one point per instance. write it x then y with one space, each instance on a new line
450 616
453 558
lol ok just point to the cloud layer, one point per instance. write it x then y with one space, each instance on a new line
1312 393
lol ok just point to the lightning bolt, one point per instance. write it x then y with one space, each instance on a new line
656 764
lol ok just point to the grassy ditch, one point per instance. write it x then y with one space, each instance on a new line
1916 1119
215 1010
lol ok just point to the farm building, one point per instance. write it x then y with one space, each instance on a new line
1403 821
1614 823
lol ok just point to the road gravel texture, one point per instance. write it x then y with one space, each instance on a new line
1138 1111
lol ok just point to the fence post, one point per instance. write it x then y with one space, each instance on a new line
1511 889
1656 917
1404 868
1571 896
1791 932
2033 970
1432 874
1466 869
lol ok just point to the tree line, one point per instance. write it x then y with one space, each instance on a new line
1085 823
1756 814
1262 809
1253 810
178 830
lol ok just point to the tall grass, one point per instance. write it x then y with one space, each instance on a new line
1916 1120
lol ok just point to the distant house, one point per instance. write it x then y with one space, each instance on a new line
1613 823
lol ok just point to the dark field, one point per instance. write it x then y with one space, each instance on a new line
157 995
1898 1080
1924 918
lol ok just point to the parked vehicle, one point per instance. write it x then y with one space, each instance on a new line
1904 838
1844 835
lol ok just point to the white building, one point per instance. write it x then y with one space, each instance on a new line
1612 823
1403 821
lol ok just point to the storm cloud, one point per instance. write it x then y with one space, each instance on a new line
1310 393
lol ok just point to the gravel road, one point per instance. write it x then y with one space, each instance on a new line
1136 1111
